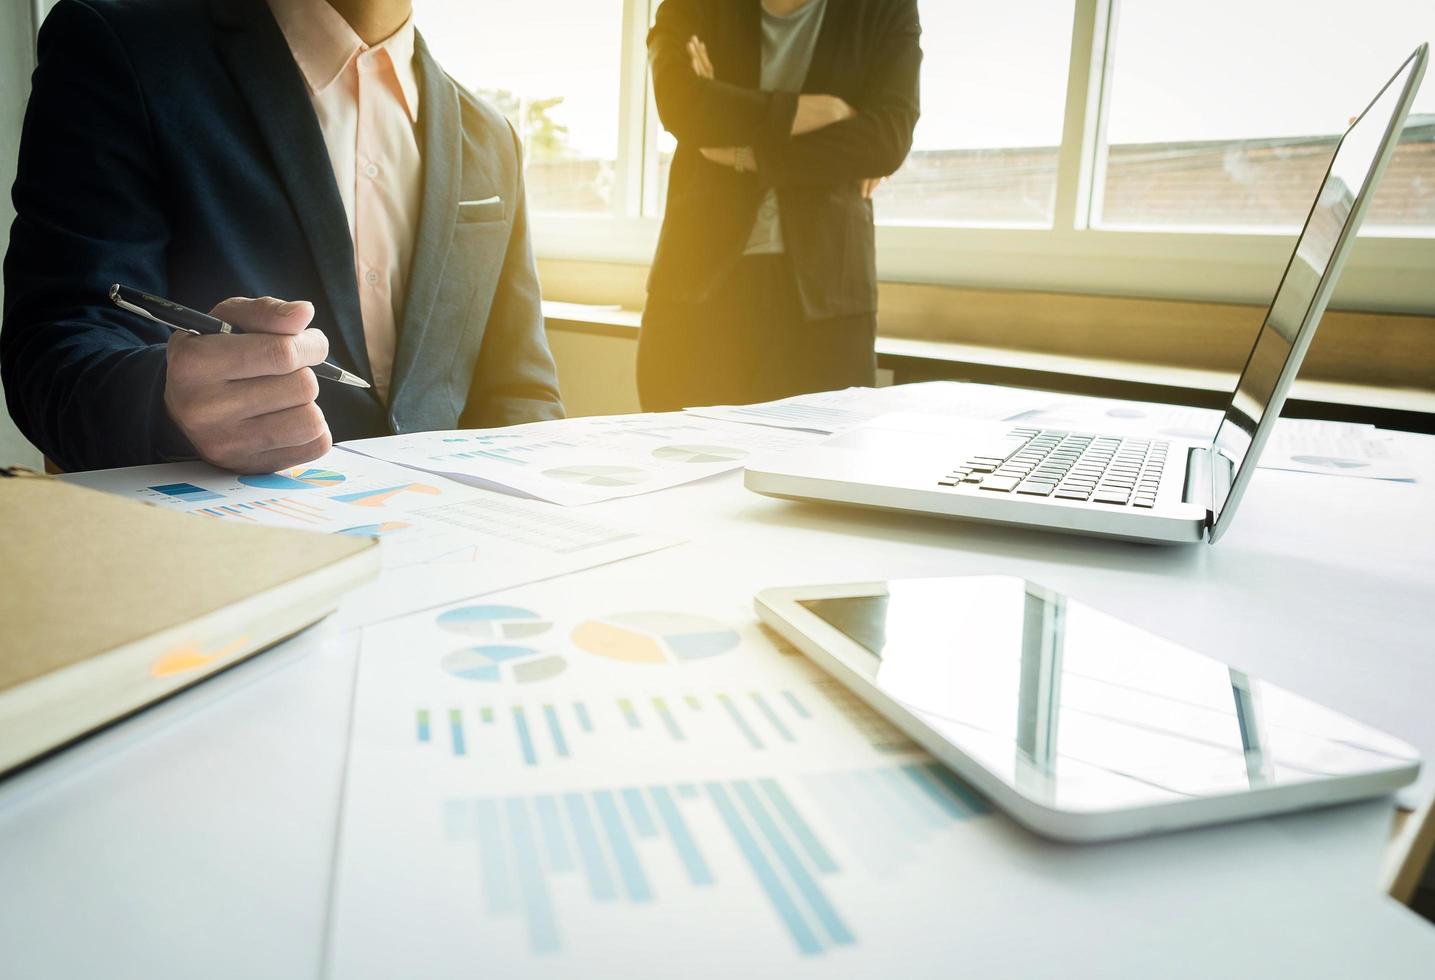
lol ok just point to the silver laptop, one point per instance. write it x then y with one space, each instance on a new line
1147 488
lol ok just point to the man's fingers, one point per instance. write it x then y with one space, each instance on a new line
262 355
234 402
284 429
280 459
265 314
698 54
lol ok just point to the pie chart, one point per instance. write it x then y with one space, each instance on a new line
599 476
655 637
493 663
299 478
700 454
494 622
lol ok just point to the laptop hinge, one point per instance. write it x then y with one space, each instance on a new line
1198 489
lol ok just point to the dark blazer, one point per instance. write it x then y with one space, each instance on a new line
171 145
868 53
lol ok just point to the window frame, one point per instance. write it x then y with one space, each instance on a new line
1386 272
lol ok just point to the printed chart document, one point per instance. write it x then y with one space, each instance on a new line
586 460
441 540
535 777
831 412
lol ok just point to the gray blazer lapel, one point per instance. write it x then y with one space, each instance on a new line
256 54
441 143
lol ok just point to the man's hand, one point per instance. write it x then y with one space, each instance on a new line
698 52
246 401
816 112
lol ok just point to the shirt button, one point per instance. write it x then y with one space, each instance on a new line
371 277
371 171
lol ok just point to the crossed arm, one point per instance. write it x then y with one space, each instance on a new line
814 112
788 138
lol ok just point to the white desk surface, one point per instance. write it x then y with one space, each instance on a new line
196 839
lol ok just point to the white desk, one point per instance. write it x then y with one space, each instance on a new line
196 840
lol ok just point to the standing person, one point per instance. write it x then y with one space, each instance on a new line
787 114
215 151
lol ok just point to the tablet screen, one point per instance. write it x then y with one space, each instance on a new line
1083 710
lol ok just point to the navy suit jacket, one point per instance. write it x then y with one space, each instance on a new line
171 145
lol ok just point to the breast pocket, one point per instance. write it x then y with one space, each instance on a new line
479 212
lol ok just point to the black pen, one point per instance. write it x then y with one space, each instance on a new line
170 314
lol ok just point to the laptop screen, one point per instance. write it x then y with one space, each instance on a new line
1300 299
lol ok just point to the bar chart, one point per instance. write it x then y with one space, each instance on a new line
550 732
753 833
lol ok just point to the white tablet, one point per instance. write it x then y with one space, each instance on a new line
1080 726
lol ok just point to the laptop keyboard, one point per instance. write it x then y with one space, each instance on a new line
1069 466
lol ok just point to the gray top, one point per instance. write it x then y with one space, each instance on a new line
787 46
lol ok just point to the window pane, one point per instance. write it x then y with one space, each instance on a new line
1226 114
554 69
993 102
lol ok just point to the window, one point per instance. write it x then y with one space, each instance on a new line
1212 126
1101 146
994 99
555 69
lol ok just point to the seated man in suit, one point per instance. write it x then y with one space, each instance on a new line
310 150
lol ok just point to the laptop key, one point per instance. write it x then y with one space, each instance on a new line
1066 493
1036 489
1146 502
1109 497
1006 483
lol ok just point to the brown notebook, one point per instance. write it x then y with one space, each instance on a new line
108 605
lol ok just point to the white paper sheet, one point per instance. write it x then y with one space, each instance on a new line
836 411
441 540
631 778
1335 449
585 460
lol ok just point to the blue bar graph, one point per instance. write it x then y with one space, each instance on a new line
555 728
772 717
525 738
767 876
595 868
677 828
543 732
816 853
555 842
630 714
635 883
532 886
797 705
610 837
638 812
669 722
740 721
801 878
455 727
187 492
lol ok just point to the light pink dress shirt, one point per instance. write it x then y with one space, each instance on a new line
367 100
